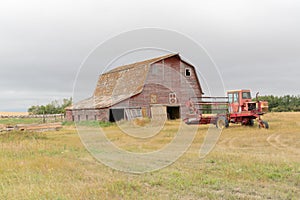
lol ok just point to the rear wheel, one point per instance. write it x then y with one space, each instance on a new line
251 122
222 122
263 124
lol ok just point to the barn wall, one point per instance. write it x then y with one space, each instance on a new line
88 114
69 115
163 78
193 80
152 94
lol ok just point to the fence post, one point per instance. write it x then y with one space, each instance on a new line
44 117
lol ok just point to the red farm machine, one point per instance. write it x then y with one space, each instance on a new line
237 107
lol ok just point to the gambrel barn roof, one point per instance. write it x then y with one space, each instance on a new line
119 84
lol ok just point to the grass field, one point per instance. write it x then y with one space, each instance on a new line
246 163
13 113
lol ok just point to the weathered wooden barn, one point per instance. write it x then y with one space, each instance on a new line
158 86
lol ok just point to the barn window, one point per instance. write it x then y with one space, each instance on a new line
153 98
187 72
86 117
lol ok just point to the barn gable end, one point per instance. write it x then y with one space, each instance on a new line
166 81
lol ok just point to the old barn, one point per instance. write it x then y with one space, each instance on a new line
158 86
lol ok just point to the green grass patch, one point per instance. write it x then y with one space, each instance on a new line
15 121
89 123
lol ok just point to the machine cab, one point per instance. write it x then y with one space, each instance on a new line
238 100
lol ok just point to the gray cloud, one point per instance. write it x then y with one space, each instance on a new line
255 44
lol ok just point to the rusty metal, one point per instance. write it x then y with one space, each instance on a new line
239 109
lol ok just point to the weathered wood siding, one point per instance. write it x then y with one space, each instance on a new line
87 114
164 77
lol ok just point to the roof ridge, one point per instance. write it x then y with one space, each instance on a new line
136 64
115 69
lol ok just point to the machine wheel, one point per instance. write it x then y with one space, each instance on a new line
265 125
251 122
222 122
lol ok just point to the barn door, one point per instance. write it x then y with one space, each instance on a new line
132 113
159 112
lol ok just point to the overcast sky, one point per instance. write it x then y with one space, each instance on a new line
255 43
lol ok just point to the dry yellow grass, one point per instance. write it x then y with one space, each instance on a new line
246 163
13 113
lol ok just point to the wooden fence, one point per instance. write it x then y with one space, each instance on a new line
37 118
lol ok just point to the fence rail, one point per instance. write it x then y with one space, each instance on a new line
62 116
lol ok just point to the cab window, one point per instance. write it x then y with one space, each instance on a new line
235 97
230 97
246 95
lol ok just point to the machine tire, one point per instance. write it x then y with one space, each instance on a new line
265 123
251 122
222 122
